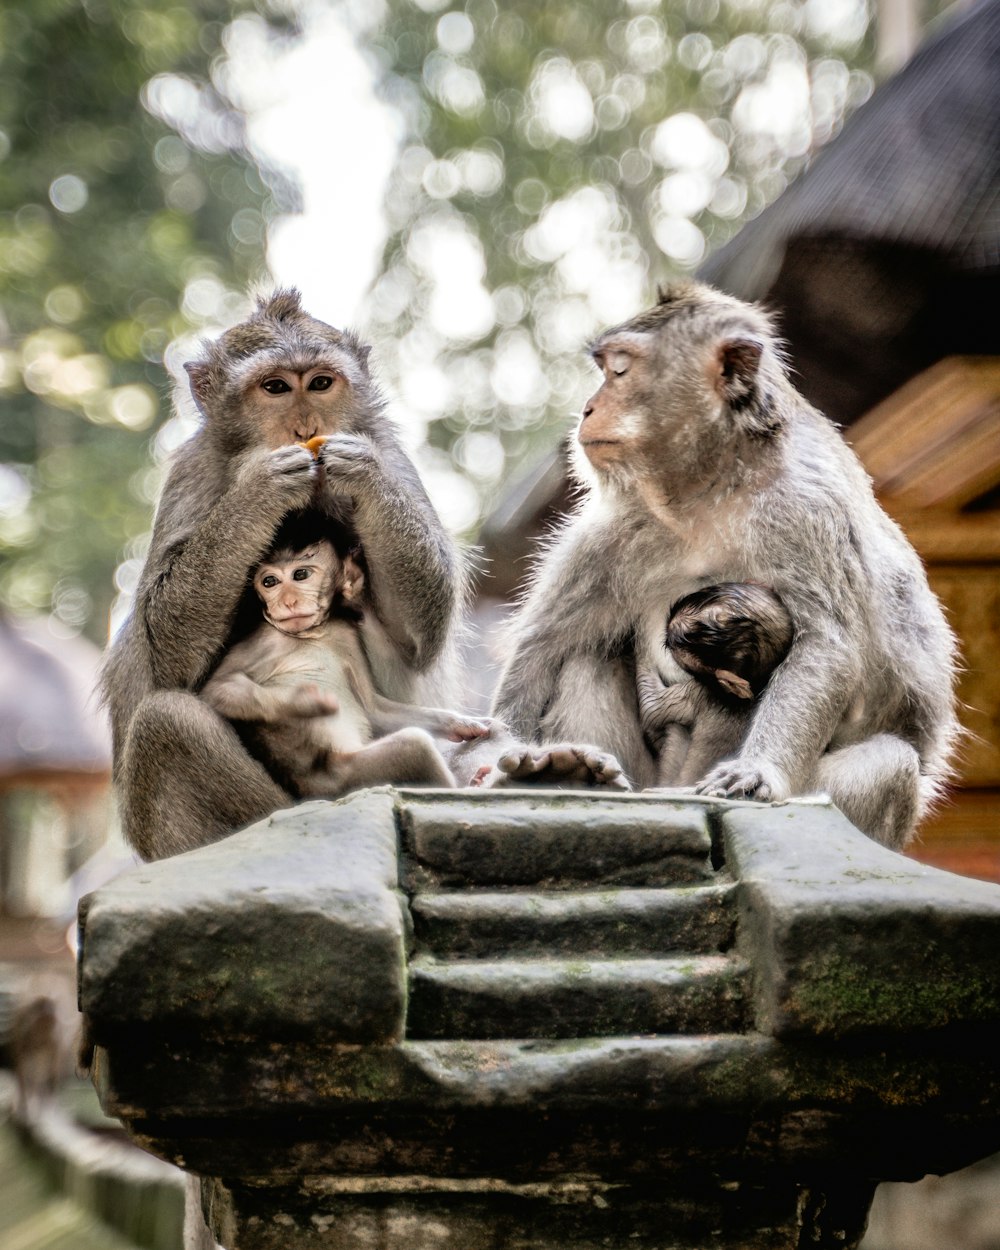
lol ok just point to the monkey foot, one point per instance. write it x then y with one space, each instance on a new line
564 762
744 779
479 777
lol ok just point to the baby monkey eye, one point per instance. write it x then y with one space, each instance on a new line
269 581
300 575
322 382
275 386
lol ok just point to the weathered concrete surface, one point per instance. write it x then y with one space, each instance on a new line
848 938
543 1084
295 927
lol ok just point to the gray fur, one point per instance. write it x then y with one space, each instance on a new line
181 774
729 475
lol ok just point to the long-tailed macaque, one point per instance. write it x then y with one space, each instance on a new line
183 778
729 638
300 688
704 465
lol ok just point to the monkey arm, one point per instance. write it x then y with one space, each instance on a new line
194 578
661 705
235 695
414 578
794 720
387 716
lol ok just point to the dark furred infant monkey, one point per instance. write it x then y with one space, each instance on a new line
301 690
730 637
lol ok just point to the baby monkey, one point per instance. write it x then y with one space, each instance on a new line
300 687
730 638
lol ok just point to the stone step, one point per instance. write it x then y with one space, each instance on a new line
522 839
580 923
576 998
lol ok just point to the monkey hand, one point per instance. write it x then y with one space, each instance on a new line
307 700
347 460
564 762
286 475
467 728
745 779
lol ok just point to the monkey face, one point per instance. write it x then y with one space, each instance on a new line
297 587
612 420
289 405
280 377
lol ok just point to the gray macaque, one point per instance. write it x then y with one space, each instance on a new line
702 464
729 638
182 776
301 692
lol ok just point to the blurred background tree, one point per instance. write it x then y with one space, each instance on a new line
554 163
130 213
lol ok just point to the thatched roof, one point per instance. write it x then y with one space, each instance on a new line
884 256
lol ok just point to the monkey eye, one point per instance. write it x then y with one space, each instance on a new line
269 581
300 575
275 386
618 363
322 382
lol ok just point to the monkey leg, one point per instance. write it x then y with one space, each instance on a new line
405 758
673 755
595 702
185 779
876 784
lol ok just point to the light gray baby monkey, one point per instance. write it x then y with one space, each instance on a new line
300 688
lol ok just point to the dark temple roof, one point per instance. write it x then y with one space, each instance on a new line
884 255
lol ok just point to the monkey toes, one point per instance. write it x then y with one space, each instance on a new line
744 779
564 762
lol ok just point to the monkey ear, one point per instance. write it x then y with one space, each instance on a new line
200 377
734 685
737 362
735 376
353 579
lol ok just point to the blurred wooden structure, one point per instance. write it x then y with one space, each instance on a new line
933 450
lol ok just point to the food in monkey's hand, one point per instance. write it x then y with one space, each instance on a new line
314 444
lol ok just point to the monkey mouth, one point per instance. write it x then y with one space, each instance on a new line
295 624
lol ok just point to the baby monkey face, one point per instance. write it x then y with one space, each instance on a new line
297 587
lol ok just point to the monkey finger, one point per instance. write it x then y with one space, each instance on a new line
466 730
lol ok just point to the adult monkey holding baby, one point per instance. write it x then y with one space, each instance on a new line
704 465
280 378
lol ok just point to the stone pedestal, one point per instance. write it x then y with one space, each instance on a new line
531 1019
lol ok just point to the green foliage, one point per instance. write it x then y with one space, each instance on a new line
563 159
130 214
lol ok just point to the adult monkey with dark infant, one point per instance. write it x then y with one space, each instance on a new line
705 465
280 378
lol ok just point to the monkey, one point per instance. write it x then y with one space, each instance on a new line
41 1044
281 377
269 384
301 688
730 638
700 463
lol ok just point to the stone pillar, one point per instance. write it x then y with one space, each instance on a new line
522 1020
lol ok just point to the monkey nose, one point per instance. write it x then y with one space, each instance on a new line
588 409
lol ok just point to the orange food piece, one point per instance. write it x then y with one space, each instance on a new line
314 444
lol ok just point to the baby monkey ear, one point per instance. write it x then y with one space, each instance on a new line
733 684
353 579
